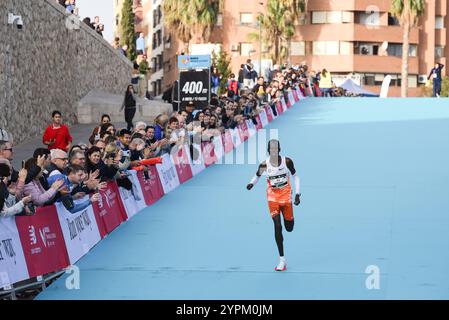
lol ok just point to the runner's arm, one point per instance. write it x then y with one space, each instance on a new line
260 171
291 167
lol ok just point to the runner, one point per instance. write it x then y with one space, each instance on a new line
278 170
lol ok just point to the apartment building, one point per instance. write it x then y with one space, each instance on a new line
358 37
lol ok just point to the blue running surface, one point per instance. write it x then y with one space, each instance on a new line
374 183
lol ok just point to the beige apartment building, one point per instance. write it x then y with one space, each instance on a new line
357 37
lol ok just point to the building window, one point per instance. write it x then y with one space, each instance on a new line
439 51
367 49
347 17
327 17
246 49
298 48
368 18
246 18
412 81
369 79
439 22
395 50
327 48
219 20
392 20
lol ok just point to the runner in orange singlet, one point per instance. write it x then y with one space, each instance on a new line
278 170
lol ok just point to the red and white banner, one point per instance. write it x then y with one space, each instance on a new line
150 185
196 159
227 141
284 104
295 95
251 127
270 114
80 230
133 200
243 131
109 210
291 99
218 147
42 242
208 151
235 137
167 174
259 122
263 118
279 108
180 158
13 267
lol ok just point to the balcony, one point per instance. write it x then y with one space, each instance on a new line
383 64
361 63
353 32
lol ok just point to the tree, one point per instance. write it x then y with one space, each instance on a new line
408 13
222 62
295 8
191 18
275 29
127 29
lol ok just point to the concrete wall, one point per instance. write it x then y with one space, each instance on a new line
51 64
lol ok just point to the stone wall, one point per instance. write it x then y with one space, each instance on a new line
52 63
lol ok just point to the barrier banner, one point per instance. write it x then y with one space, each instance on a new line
263 118
218 147
259 122
279 107
42 241
133 200
291 99
180 158
109 211
227 141
295 95
284 104
196 159
270 114
243 131
13 267
80 230
207 149
167 174
251 127
151 185
235 137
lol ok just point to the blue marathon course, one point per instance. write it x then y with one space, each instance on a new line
375 197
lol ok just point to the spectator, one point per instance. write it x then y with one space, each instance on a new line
232 86
78 157
124 50
260 89
107 169
326 83
129 104
116 43
159 125
57 135
140 44
97 26
189 110
241 77
40 196
215 81
105 119
435 75
8 204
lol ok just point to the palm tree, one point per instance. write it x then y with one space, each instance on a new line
278 27
295 9
408 13
189 18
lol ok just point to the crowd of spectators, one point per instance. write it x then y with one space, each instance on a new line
63 172
71 7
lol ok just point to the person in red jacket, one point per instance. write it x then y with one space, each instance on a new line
57 135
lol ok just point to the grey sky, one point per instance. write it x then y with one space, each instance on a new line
102 8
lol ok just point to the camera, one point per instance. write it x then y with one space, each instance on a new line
126 153
15 19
